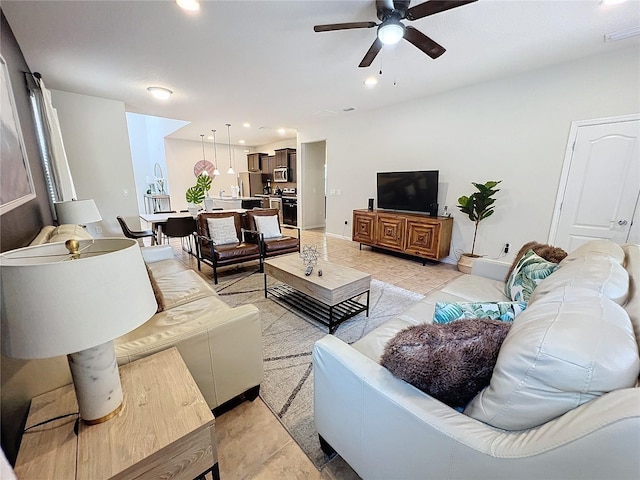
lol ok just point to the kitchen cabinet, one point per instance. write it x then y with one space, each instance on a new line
283 157
414 234
268 164
254 161
293 166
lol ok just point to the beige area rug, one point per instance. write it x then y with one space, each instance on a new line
288 338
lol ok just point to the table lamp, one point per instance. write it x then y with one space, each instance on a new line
77 212
74 299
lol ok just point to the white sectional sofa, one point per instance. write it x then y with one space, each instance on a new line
387 429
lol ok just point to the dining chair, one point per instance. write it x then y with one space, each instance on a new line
135 234
183 228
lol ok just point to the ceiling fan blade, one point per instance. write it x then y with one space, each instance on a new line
343 26
433 7
371 53
424 43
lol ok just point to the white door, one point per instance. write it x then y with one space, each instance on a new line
600 185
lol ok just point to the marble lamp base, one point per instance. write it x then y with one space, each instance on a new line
97 383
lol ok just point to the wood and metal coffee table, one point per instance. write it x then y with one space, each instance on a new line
330 299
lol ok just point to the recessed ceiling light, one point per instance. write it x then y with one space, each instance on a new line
371 82
246 125
281 131
241 142
190 5
160 93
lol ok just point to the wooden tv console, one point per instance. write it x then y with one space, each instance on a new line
413 234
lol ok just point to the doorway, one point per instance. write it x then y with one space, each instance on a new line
314 158
600 184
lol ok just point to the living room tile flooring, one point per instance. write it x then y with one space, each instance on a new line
252 443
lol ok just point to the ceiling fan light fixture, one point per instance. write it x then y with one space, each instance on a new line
390 32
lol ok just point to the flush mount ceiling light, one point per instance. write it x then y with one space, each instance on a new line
371 82
246 125
190 5
622 34
391 31
160 93
281 131
241 142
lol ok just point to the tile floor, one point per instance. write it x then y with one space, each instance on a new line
252 444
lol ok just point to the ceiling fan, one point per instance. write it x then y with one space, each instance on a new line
391 30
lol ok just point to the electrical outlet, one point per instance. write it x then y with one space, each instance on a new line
98 230
506 248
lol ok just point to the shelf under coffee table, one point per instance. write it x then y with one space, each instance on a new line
329 299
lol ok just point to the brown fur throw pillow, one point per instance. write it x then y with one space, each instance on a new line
451 362
548 252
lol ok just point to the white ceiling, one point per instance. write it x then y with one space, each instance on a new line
261 62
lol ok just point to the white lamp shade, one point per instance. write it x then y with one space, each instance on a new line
77 212
54 305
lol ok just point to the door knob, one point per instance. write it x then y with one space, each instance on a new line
622 222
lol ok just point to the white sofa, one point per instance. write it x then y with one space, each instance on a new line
221 345
387 429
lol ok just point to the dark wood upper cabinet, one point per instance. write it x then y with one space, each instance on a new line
255 161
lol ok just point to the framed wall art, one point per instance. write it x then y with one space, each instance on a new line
16 184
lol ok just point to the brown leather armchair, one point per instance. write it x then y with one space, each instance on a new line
217 255
270 247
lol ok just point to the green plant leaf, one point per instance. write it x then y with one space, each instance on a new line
195 194
204 182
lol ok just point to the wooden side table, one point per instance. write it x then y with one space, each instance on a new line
165 430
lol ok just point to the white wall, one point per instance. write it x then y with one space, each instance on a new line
147 149
97 144
513 129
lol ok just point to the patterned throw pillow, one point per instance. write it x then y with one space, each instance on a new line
529 272
446 312
222 230
268 226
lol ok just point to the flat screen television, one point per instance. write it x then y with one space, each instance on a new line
409 191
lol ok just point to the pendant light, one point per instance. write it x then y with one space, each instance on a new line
215 155
204 158
230 171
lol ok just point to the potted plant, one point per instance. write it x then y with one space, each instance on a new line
204 181
194 196
478 206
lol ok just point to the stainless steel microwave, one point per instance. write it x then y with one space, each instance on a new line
280 174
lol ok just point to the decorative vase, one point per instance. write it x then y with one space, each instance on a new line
208 204
193 209
465 263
